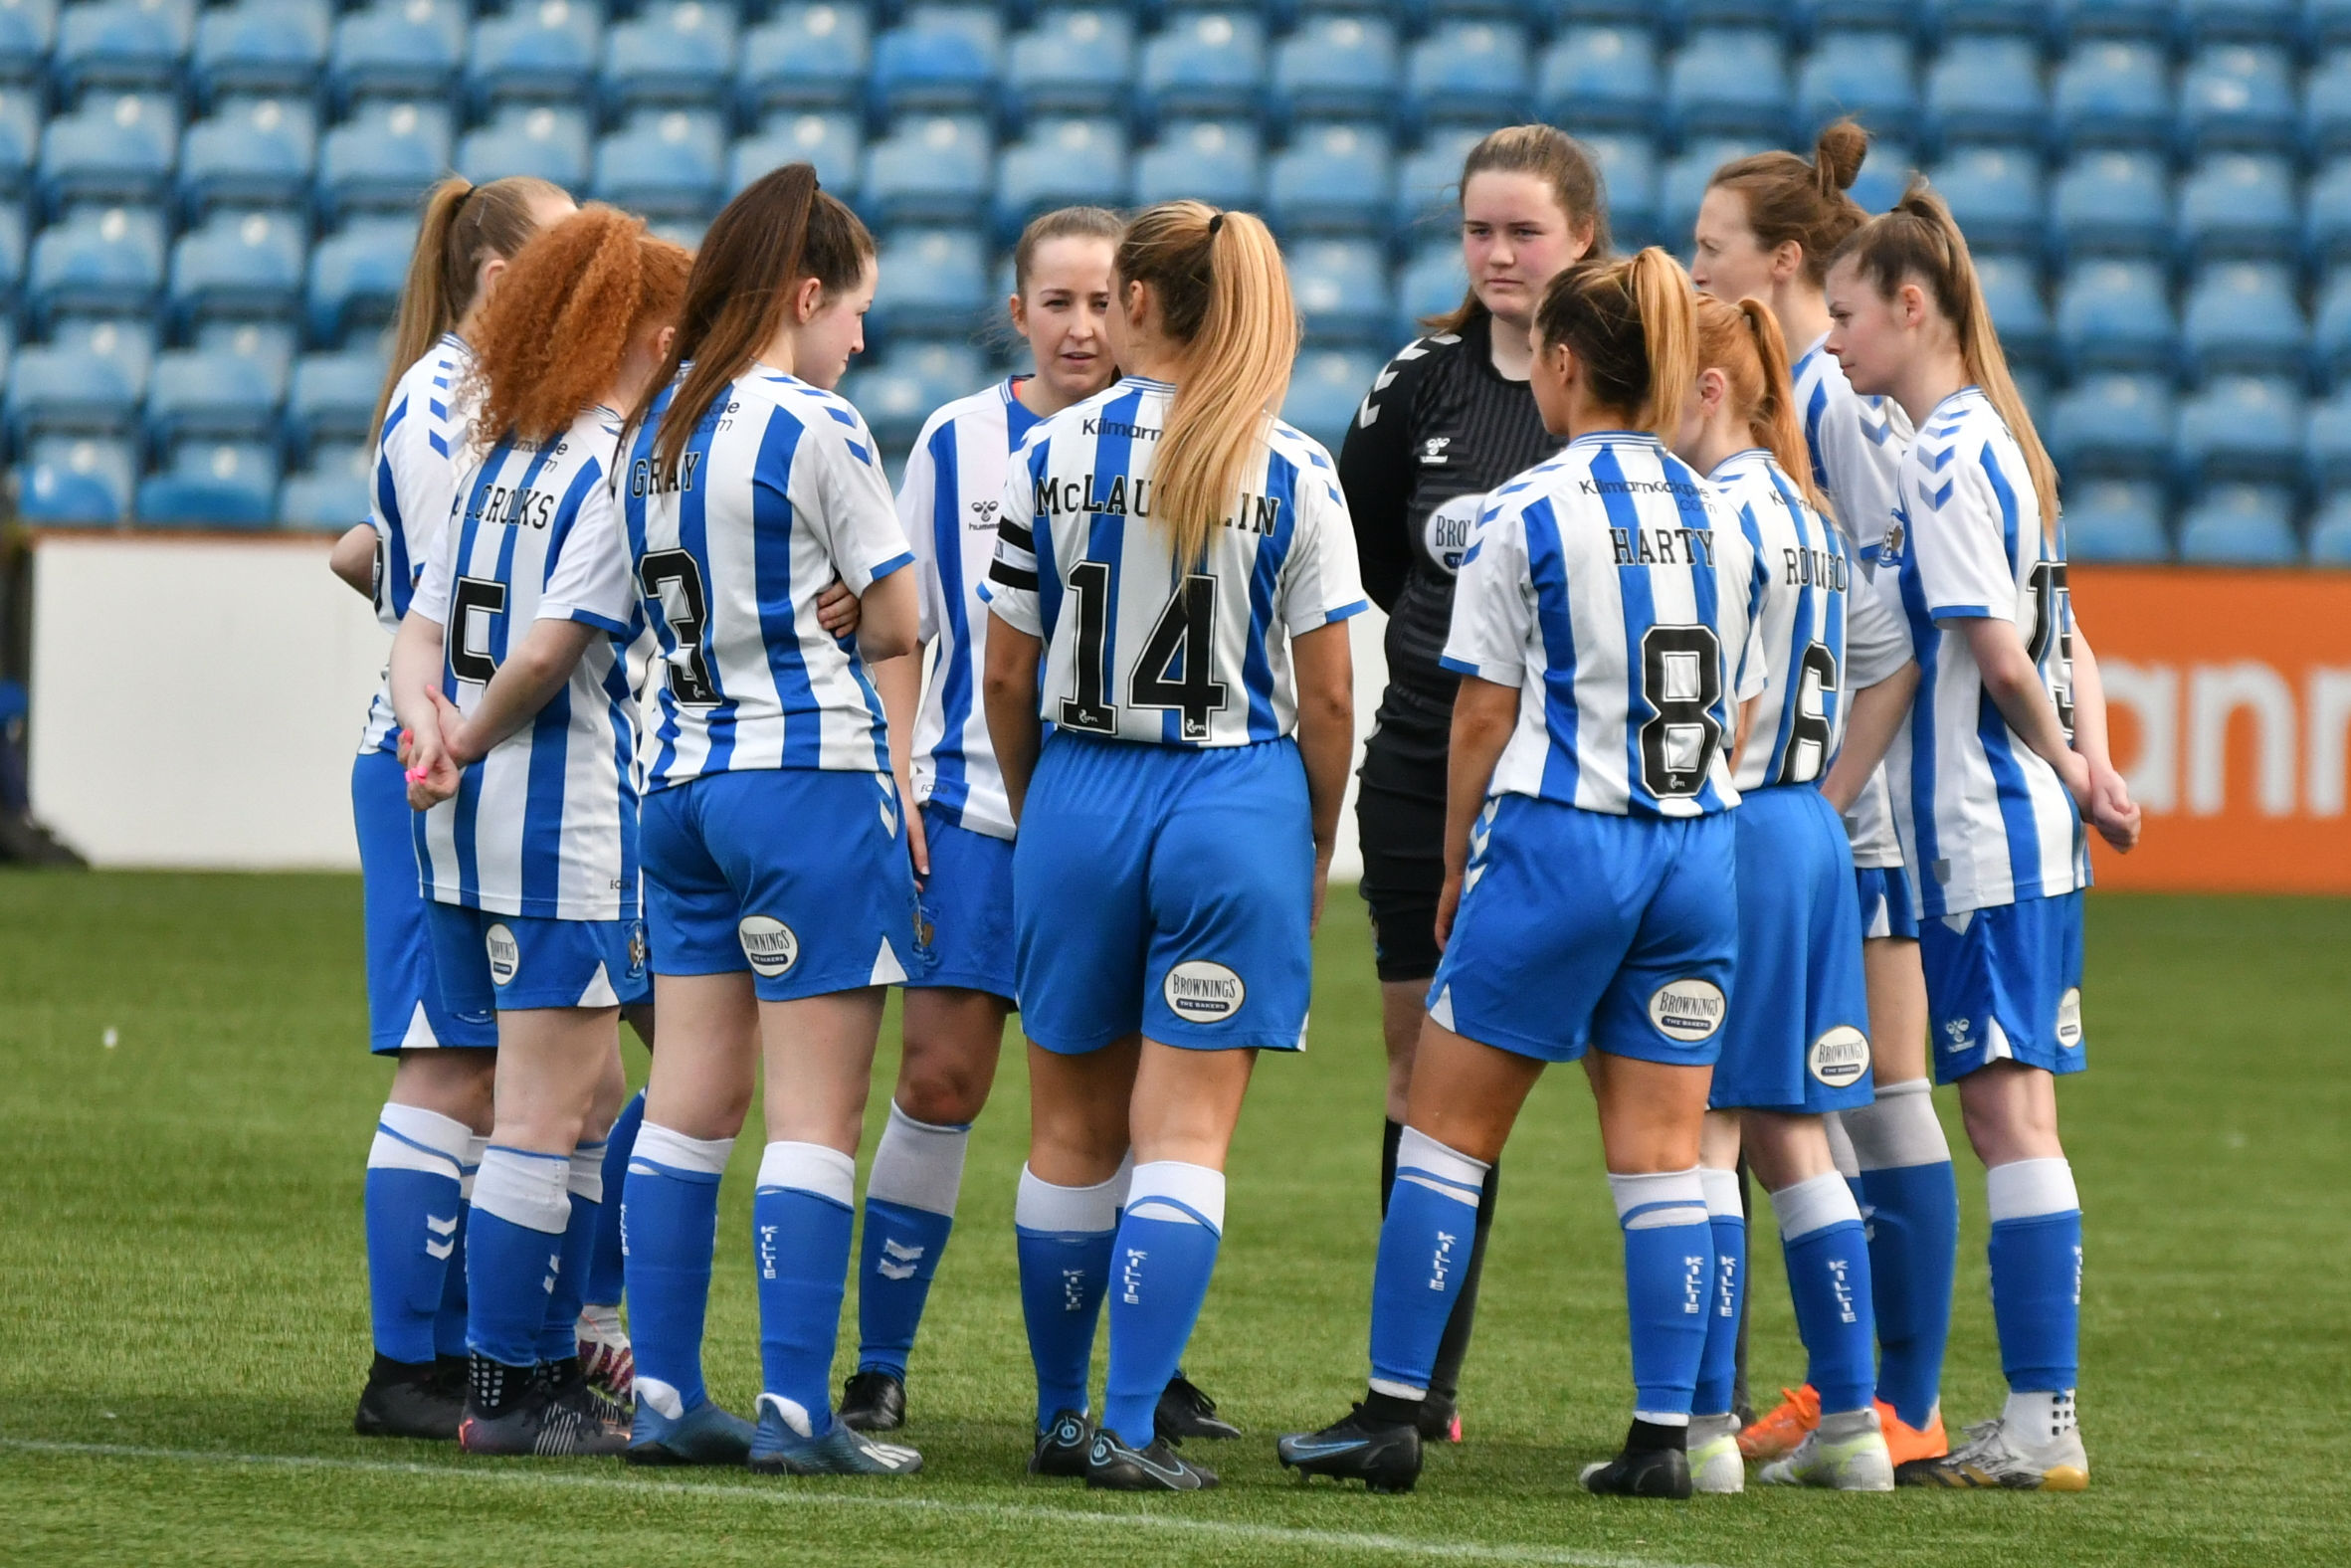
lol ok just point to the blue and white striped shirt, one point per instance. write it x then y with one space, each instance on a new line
415 477
546 825
779 490
1612 586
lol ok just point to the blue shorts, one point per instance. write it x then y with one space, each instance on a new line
1164 890
964 927
2004 983
404 1007
1581 927
799 875
510 962
1887 910
1798 1038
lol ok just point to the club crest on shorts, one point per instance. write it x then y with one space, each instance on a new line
506 954
640 951
2070 1019
1201 991
1840 1056
1688 1010
768 944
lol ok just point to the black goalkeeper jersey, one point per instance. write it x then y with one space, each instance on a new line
1439 430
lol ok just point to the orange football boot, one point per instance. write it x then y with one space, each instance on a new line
1906 1443
1775 1434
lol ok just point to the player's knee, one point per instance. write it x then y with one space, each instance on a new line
944 1094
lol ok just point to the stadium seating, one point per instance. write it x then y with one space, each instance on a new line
1060 164
212 483
2242 429
919 377
1216 161
2330 534
252 152
2113 520
805 57
269 48
2239 525
934 282
675 55
112 148
1334 179
1339 66
1073 61
666 164
930 169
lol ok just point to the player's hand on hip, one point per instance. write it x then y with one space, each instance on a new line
838 610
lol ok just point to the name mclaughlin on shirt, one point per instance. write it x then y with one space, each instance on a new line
1662 547
1259 514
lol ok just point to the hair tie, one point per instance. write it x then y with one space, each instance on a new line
1214 224
468 196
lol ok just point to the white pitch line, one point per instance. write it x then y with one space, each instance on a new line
798 1497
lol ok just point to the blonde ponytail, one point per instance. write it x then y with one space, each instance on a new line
1633 324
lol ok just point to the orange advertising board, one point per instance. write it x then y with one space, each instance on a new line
2229 697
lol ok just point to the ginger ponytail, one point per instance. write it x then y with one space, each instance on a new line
463 226
1223 294
1633 326
1743 341
1919 243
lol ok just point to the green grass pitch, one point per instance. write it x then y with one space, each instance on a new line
185 1106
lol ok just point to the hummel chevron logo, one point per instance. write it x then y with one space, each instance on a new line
905 1257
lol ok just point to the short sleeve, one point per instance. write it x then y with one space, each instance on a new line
859 517
1320 581
1862 456
1492 608
1011 589
1876 640
588 579
1752 674
1964 572
430 597
917 501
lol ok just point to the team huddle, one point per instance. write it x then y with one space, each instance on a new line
1748 577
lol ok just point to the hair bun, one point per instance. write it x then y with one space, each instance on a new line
1836 155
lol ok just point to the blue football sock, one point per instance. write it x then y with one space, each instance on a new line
1829 1284
911 1198
449 1324
1064 1235
1718 1367
1159 1271
513 1249
801 1218
669 1229
1909 1196
2036 1255
559 1336
414 1170
1424 1257
1668 1243
604 1276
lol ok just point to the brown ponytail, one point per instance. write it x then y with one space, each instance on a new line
1559 161
1743 341
1790 198
1632 325
554 337
778 232
1919 243
463 226
1223 294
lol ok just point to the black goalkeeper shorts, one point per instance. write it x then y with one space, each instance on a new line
1400 823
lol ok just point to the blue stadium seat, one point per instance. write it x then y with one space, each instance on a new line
2330 533
1218 161
2115 522
224 396
355 276
118 149
1729 83
20 139
1420 15
2326 104
2116 314
1073 61
97 260
1818 19
1995 194
212 485
1334 179
1864 74
383 158
12 262
2238 96
272 47
2276 21
2140 21
1210 62
1336 65
2244 317
1060 164
1884 174
1773 14
331 493
2240 204
1949 20
1987 89
897 395
1468 71
2241 525
805 57
665 164
62 388
404 49
542 53
130 341
134 45
28 31
331 400
239 264
2330 341
272 343
933 282
1682 187
2011 292
253 152
2326 22
833 144
2240 429
940 57
1629 178
1601 79
545 141
1341 288
1432 282
2112 93
1428 183
679 54
2326 446
2113 203
70 479
2112 426
929 169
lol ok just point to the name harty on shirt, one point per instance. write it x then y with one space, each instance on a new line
1662 547
649 474
1260 514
